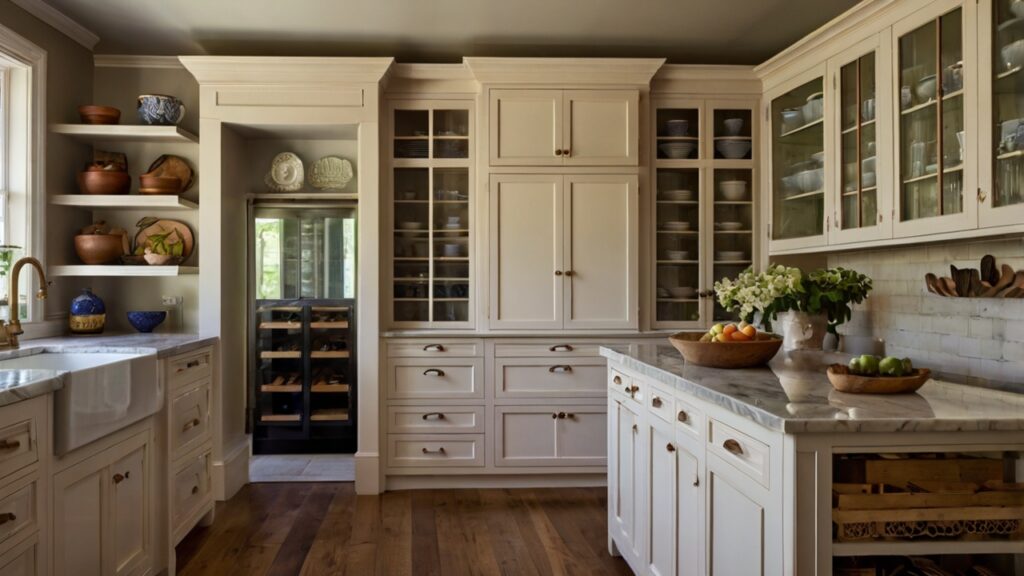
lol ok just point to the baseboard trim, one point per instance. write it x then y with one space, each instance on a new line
491 481
368 476
232 472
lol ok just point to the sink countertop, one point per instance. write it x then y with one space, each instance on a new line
793 395
18 385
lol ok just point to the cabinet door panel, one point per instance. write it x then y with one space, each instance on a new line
661 512
550 435
689 514
78 507
129 506
737 528
580 436
526 252
627 495
601 238
526 127
600 127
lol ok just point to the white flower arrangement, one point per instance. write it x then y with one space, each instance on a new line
767 293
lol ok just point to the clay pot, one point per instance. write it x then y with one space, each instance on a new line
92 114
99 248
149 184
104 182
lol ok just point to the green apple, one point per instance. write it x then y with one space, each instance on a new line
869 365
908 366
854 366
891 366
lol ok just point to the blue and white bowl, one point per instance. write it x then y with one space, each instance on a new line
146 320
160 109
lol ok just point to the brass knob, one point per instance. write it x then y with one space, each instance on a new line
617 381
118 478
733 447
670 448
566 151
561 415
558 152
656 402
569 272
682 416
195 489
558 272
635 429
554 415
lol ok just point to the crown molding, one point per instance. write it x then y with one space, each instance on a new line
562 71
59 21
136 61
408 79
285 70
680 72
679 79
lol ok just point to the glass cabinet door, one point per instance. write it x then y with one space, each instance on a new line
731 209
1006 205
798 156
931 119
858 205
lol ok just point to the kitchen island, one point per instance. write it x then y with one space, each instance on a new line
743 471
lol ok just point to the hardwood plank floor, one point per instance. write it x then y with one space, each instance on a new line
325 529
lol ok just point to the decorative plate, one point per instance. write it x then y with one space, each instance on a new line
172 166
286 173
330 173
163 227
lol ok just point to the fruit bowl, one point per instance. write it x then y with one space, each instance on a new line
755 352
844 381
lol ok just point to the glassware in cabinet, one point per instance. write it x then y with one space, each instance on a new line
1007 106
798 173
678 245
732 218
678 134
411 244
858 206
733 134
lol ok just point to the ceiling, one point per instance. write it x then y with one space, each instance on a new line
684 31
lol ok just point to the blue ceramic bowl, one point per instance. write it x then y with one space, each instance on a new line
160 109
146 321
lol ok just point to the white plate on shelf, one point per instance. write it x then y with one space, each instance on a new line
678 195
729 226
676 226
730 255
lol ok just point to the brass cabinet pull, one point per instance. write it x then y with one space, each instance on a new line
189 364
558 272
682 416
440 450
118 478
570 416
696 480
433 348
633 390
670 448
558 152
561 348
635 429
190 424
567 152
7 517
564 415
438 415
433 372
10 445
656 402
560 369
617 380
554 415
733 447
195 490
569 272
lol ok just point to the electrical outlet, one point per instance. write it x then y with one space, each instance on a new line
171 300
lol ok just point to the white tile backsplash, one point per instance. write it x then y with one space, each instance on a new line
976 339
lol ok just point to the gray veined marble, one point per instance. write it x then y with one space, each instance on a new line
793 395
18 385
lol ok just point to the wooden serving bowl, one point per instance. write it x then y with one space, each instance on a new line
841 379
99 248
104 182
756 352
92 114
149 184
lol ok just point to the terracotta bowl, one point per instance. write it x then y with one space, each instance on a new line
755 352
104 182
159 184
91 114
843 381
99 248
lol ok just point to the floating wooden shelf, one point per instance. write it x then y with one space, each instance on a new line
122 271
124 201
125 133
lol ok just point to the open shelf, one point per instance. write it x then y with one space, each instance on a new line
799 129
280 325
121 270
271 389
281 418
329 388
329 415
125 133
124 201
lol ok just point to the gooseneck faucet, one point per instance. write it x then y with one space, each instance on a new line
11 330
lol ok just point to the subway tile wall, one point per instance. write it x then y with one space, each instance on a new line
979 341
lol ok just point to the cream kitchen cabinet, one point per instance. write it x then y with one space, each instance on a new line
563 251
551 127
625 478
550 435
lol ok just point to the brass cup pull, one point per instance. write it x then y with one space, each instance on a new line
617 381
433 372
190 424
558 152
682 416
195 490
560 369
733 447
190 364
656 402
7 517
670 448
429 415
440 450
562 348
433 348
10 445
118 478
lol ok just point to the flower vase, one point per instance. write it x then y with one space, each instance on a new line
802 331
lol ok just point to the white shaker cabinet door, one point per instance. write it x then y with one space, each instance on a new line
661 511
626 494
130 504
78 509
602 255
737 518
600 127
526 251
689 513
526 127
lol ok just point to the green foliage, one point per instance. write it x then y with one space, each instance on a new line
833 291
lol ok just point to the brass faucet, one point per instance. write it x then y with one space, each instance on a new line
10 331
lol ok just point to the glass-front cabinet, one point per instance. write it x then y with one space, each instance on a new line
703 206
430 220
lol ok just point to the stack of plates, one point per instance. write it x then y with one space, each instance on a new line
677 150
412 149
678 195
730 255
676 226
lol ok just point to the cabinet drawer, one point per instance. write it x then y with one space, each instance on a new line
740 450
545 377
423 378
661 403
190 418
18 446
191 487
23 560
553 349
19 509
550 435
435 450
189 367
689 420
435 419
436 349
632 388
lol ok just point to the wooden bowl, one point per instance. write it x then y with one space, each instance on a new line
99 248
104 182
755 352
841 379
91 114
149 184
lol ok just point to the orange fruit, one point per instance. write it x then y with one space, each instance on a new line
749 330
739 337
730 329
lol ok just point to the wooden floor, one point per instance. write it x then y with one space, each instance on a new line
312 529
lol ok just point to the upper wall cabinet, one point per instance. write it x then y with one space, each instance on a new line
564 127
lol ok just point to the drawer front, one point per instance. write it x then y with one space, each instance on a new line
190 418
191 487
19 509
543 377
740 450
689 420
553 349
435 450
552 435
189 367
18 440
436 349
630 387
23 560
661 403
422 378
435 419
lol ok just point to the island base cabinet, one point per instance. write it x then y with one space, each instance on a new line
22 560
661 510
625 484
102 513
737 525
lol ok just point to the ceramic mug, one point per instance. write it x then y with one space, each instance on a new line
160 109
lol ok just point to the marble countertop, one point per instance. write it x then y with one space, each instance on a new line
18 385
793 395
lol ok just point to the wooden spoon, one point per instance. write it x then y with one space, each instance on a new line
932 282
1018 284
989 273
949 285
1006 278
974 283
